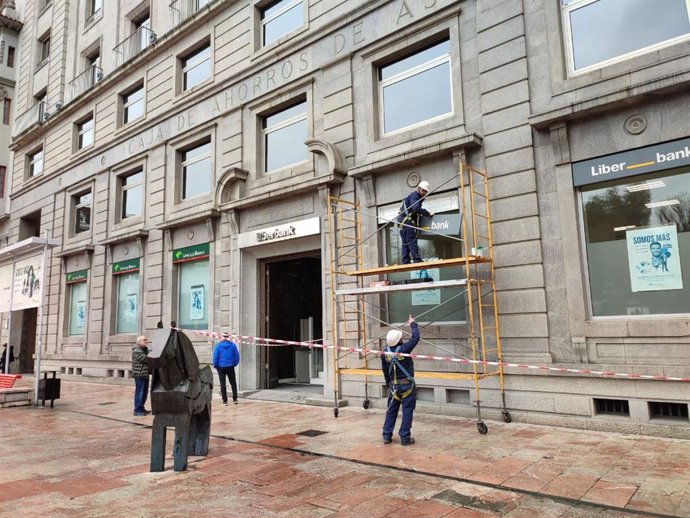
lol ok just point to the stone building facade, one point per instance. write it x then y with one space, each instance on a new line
184 154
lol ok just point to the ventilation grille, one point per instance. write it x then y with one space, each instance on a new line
612 407
662 410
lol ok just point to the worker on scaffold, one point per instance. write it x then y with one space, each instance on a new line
398 372
408 222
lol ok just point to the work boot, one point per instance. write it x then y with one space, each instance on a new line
386 440
408 441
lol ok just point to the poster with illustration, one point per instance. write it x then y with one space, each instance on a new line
653 258
27 283
196 307
131 311
426 297
81 314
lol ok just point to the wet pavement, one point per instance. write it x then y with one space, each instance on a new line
89 457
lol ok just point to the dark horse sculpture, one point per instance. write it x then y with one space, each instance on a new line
180 396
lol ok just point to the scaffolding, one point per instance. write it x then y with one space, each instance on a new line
357 307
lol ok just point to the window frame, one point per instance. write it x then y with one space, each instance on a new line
7 111
263 21
266 131
44 48
116 302
81 131
208 291
121 188
411 72
185 65
585 271
91 11
70 294
565 11
31 162
75 207
10 56
124 105
182 164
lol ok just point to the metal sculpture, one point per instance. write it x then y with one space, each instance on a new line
180 397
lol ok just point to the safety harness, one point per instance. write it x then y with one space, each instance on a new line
393 367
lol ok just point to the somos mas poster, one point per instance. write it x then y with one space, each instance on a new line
653 259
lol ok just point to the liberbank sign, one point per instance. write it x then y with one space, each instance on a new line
632 163
302 228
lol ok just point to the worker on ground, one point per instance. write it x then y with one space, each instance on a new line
399 374
408 222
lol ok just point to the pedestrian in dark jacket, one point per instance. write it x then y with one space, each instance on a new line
408 221
225 358
399 375
3 359
140 372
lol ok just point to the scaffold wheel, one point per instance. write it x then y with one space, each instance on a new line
335 412
365 404
482 428
506 416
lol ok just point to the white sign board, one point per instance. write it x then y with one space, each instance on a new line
302 228
5 287
27 283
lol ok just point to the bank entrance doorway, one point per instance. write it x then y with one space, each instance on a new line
293 312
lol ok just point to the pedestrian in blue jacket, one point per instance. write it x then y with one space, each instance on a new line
225 358
408 222
398 371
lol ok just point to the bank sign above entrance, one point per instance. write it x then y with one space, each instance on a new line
302 228
631 163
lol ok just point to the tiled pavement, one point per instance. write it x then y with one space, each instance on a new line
88 457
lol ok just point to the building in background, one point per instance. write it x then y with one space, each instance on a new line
10 26
171 147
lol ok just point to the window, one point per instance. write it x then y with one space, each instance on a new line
142 27
196 68
126 276
280 18
284 134
3 174
6 111
598 32
416 88
197 170
82 212
132 194
637 238
77 308
95 7
44 48
10 57
193 295
133 105
93 63
431 246
85 131
35 163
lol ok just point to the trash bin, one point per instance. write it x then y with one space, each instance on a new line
49 388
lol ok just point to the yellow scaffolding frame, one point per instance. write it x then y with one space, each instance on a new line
347 276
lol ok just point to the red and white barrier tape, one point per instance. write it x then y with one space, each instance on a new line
268 342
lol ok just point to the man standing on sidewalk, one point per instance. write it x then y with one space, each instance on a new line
225 358
398 371
140 372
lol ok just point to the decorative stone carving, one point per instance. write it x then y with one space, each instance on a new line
635 124
231 186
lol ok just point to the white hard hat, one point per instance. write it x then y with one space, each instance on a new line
393 337
424 185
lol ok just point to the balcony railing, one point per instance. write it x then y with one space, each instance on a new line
133 45
180 10
84 81
27 119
